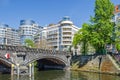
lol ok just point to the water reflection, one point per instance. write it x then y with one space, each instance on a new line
77 75
53 75
46 75
23 77
61 75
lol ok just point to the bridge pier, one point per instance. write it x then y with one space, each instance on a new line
31 69
18 70
21 56
21 70
12 69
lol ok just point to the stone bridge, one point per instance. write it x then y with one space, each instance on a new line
23 56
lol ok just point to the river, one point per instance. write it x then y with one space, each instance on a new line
61 75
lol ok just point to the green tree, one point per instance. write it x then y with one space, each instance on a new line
98 34
102 25
117 36
29 43
82 37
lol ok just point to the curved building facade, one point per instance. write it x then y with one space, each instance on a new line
28 29
60 36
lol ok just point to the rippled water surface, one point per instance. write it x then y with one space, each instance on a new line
61 75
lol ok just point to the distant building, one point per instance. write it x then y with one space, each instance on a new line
27 30
116 17
40 38
58 36
116 20
8 35
54 36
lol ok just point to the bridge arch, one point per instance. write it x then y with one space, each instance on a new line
50 58
6 62
44 57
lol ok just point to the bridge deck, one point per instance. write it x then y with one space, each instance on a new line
34 50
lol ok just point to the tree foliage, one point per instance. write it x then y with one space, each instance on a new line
98 34
117 35
82 37
29 43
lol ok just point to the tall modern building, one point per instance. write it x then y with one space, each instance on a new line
40 38
8 35
59 36
28 29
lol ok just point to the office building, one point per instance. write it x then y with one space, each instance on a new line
40 38
58 36
27 29
8 35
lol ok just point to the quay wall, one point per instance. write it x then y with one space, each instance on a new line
98 64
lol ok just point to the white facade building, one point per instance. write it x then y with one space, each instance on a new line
28 29
60 36
40 38
8 35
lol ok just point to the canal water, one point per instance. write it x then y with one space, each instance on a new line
61 75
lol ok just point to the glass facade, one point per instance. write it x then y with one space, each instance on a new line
27 22
28 29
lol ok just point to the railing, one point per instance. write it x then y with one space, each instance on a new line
116 57
31 50
114 60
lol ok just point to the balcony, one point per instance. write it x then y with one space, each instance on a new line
52 44
66 43
66 30
66 39
53 41
52 37
66 35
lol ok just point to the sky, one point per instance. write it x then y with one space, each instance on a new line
45 12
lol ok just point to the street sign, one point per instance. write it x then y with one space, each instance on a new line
7 55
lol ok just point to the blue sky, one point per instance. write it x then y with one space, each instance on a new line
45 12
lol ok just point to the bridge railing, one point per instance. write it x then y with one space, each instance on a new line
30 53
32 50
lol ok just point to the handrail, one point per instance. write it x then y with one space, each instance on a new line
117 65
117 60
35 50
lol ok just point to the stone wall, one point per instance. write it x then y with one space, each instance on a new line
107 66
101 64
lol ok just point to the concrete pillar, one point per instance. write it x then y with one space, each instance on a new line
33 69
18 70
30 70
12 78
73 52
12 69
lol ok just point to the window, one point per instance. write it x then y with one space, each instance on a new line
119 14
118 7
